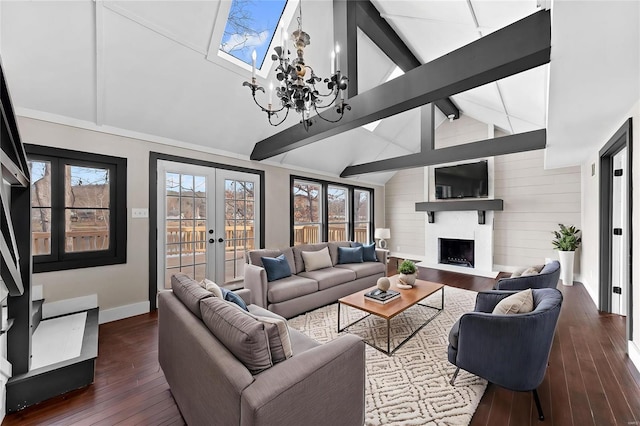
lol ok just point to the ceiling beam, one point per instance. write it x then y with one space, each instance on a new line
520 142
377 28
518 47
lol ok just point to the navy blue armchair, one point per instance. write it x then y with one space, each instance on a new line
547 278
511 351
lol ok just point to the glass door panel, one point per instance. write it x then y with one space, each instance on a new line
239 222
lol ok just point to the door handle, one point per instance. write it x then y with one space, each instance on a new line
220 240
211 241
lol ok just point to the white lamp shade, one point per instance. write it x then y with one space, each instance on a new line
382 233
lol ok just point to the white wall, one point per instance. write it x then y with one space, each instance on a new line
120 286
535 202
407 226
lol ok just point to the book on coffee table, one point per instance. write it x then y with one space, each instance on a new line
379 296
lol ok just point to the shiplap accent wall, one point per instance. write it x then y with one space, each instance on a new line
407 226
535 201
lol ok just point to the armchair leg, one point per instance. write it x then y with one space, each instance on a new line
455 374
538 406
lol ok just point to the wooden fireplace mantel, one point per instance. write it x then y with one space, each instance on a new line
430 207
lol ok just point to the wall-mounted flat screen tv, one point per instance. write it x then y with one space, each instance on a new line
469 180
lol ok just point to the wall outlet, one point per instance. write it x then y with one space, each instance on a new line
139 213
398 248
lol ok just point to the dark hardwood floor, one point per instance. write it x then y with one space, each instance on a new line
589 381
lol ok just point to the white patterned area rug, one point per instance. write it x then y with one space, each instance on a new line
411 387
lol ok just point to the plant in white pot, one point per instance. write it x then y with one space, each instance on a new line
566 241
408 273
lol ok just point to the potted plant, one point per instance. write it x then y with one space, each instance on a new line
408 272
566 241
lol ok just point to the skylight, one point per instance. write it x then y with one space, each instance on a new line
397 72
251 26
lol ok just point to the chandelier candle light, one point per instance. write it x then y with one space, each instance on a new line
293 91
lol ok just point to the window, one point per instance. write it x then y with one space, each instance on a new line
307 212
327 211
78 209
338 205
362 215
250 27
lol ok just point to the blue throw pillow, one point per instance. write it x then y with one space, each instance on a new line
349 255
356 244
230 296
369 253
276 267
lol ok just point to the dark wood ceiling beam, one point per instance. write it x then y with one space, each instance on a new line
377 28
518 47
520 142
427 128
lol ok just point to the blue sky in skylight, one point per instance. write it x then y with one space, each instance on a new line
251 26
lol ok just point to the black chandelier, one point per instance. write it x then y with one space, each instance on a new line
293 91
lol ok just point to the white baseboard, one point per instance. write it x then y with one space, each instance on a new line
68 306
634 354
121 312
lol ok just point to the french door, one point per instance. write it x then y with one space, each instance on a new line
207 219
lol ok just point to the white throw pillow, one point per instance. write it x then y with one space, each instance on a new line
518 303
529 271
212 287
314 260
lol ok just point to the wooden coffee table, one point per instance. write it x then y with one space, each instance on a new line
408 298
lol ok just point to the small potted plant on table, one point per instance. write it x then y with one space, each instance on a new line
408 273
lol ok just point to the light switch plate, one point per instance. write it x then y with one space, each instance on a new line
139 213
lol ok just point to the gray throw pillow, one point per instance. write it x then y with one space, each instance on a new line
239 332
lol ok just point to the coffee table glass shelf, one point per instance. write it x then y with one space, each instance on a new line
408 298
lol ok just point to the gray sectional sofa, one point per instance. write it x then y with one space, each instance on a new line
304 291
317 385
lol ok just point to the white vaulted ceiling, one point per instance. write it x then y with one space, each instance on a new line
145 68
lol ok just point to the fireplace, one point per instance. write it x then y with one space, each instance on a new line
456 252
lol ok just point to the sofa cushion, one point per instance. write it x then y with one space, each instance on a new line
277 331
364 269
329 277
254 257
239 332
189 292
518 303
297 254
276 267
333 249
314 260
290 288
349 255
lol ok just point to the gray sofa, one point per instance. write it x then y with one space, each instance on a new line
318 385
304 291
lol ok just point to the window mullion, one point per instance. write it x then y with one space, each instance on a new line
325 212
57 208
